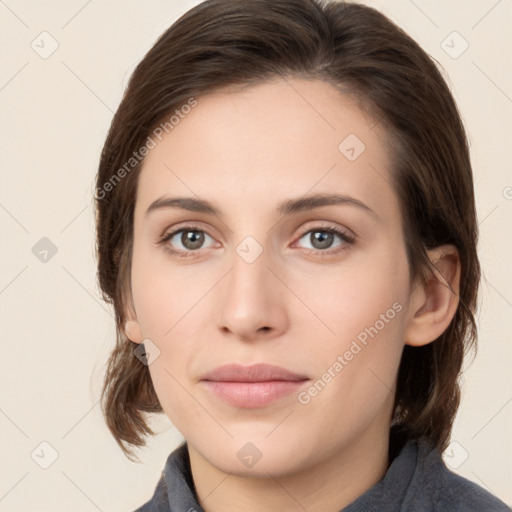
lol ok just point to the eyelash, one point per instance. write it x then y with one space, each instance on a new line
349 240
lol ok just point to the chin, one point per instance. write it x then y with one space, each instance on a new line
256 456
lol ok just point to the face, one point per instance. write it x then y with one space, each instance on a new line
319 288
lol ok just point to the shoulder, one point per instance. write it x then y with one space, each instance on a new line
461 494
450 491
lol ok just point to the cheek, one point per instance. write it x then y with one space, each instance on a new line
165 295
362 336
174 393
353 295
171 306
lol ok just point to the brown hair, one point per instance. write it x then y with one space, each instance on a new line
221 43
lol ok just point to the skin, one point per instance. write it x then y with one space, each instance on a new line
246 151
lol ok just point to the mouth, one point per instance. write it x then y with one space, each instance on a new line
252 386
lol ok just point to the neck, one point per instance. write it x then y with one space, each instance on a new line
328 486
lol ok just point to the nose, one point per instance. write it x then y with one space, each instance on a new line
252 299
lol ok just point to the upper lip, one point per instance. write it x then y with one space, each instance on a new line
255 373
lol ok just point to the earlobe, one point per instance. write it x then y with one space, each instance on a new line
132 328
434 304
133 331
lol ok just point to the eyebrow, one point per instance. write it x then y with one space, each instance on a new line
285 208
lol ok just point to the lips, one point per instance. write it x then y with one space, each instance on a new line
253 386
254 373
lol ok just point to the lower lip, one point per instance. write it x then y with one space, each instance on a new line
253 394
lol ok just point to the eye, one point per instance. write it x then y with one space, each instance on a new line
188 239
321 239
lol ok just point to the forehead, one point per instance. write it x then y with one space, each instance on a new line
269 142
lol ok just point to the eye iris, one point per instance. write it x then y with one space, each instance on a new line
192 239
323 237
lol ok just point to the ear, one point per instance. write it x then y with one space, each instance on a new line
132 328
434 304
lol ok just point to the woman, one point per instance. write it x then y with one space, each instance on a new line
287 231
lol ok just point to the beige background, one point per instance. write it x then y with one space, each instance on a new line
57 332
